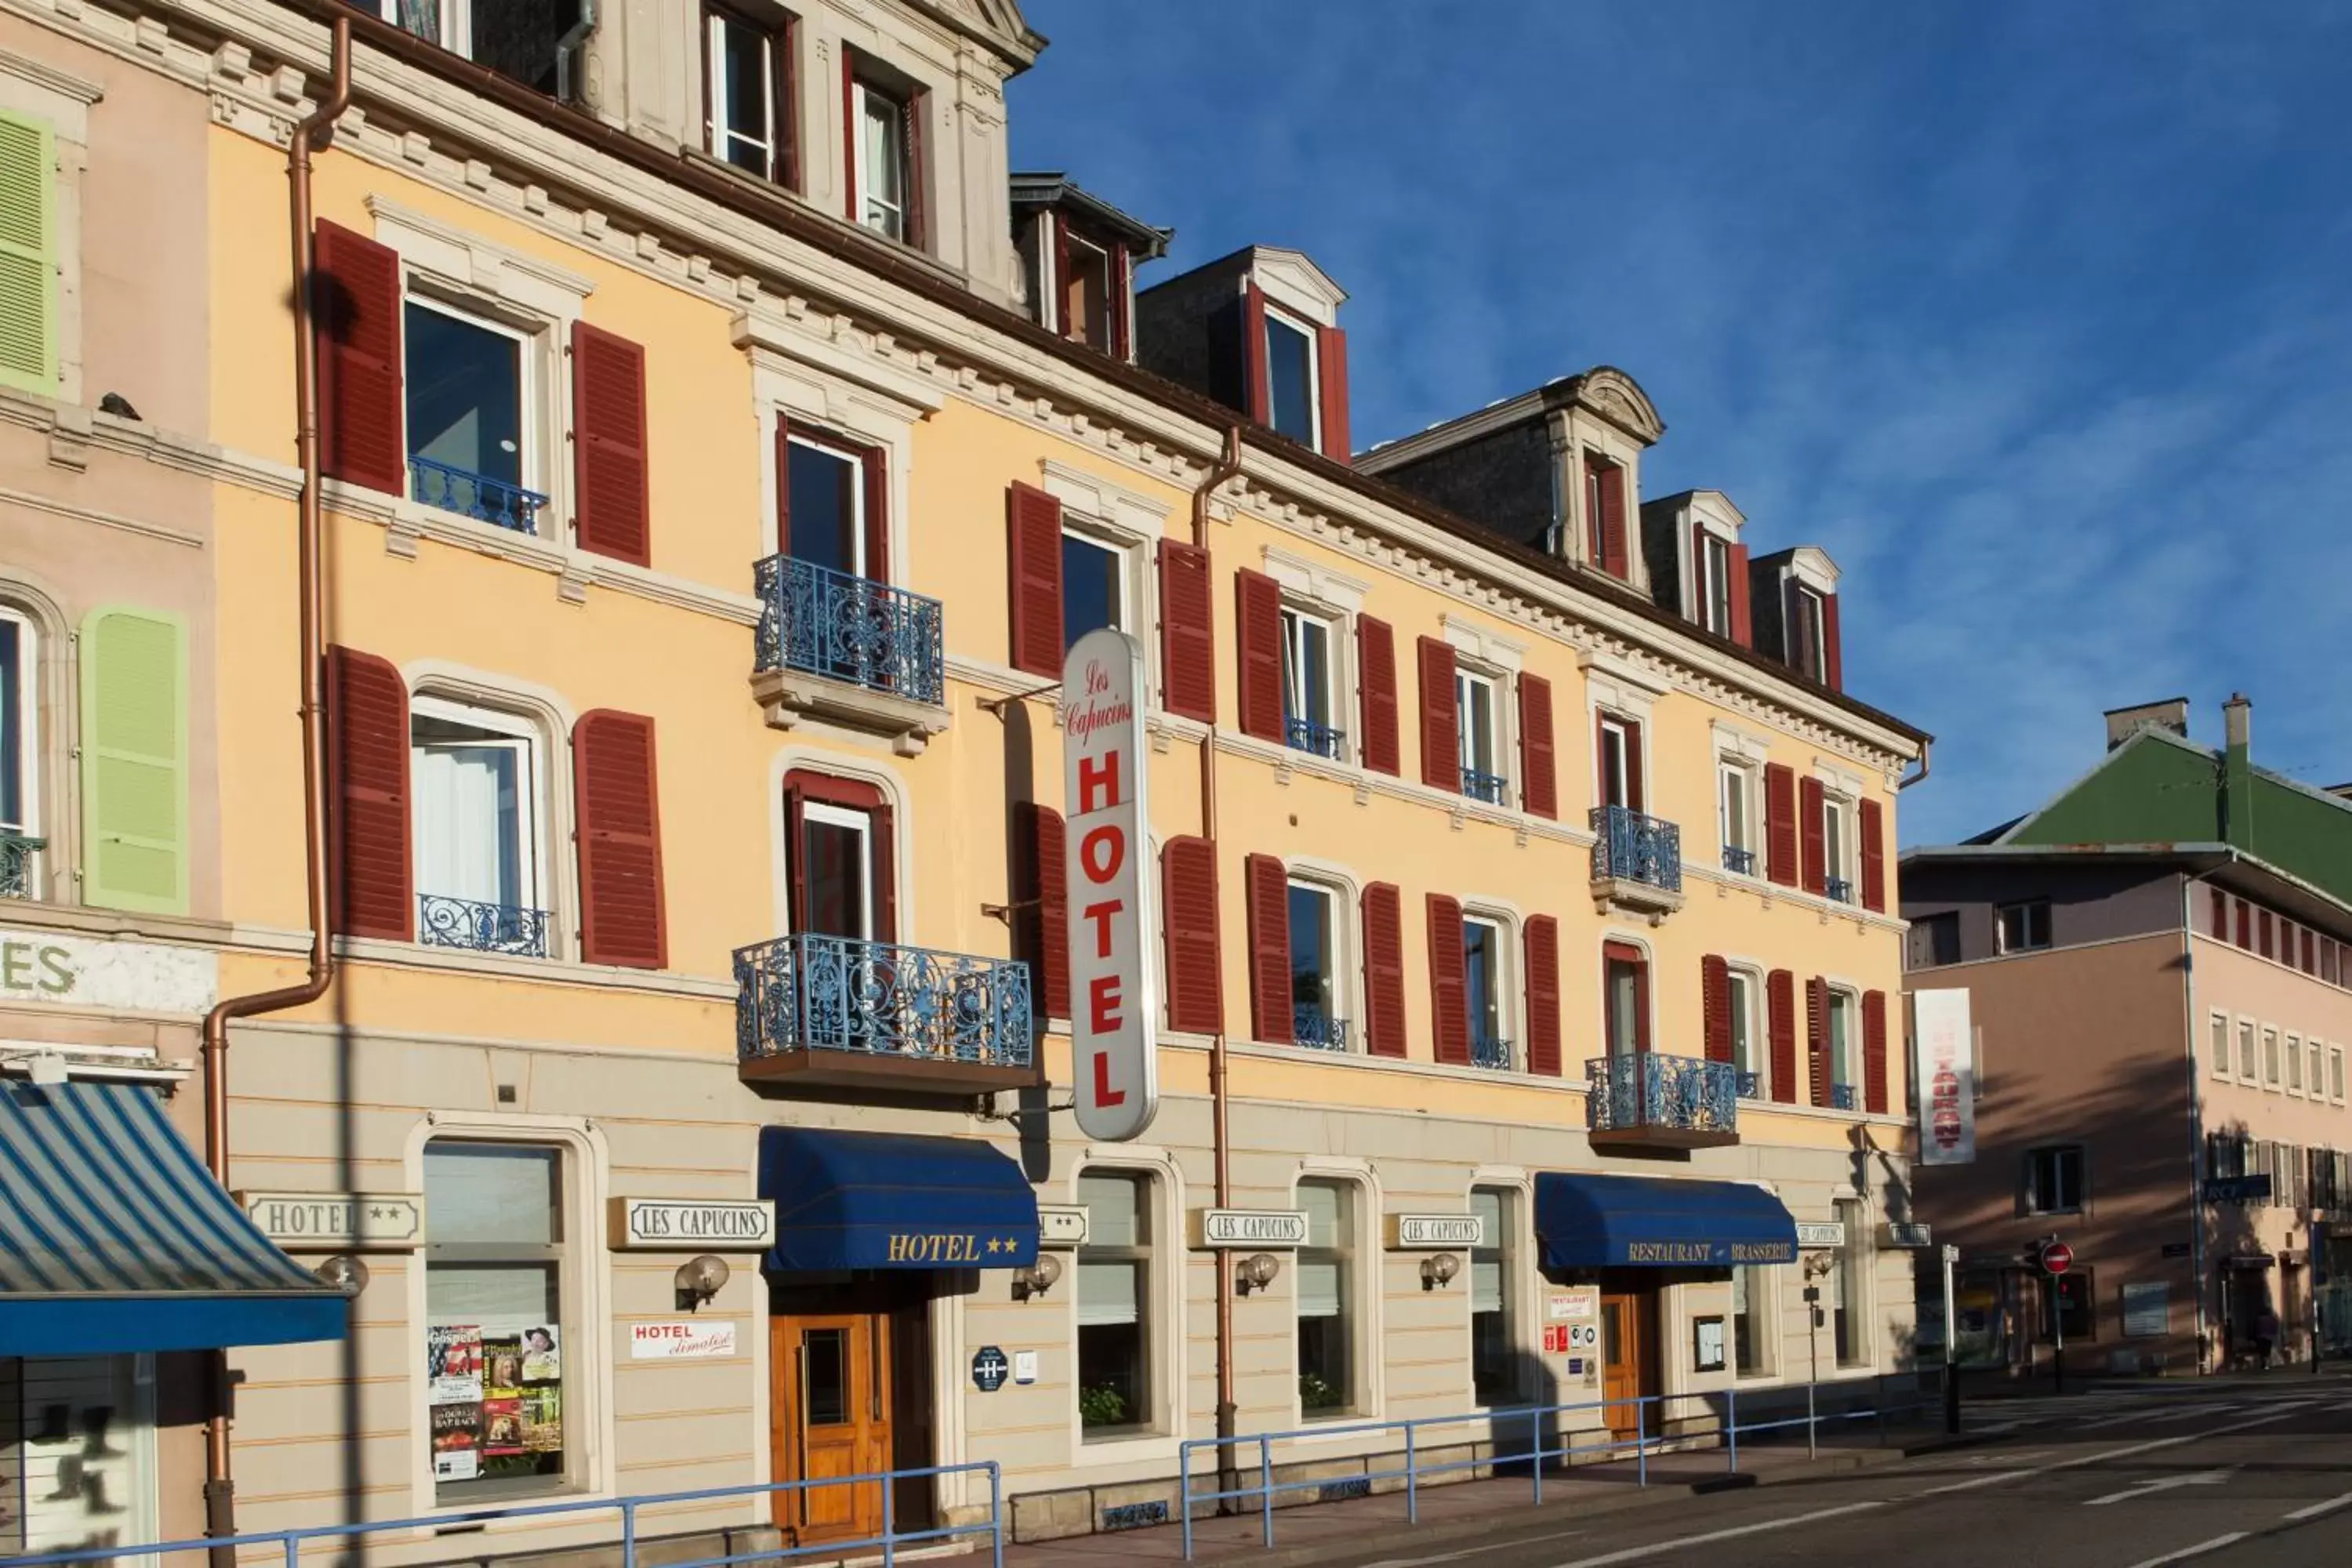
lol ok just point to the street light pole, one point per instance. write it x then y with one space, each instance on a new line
1951 1345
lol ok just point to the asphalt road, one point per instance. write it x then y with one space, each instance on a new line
2252 1473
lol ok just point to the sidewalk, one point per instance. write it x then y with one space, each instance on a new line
1306 1533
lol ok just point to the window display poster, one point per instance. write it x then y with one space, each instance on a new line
497 1398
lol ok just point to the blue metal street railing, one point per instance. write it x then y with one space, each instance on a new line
1643 1088
1312 1026
847 628
1629 847
1738 862
448 487
1305 735
1490 1051
1488 787
443 922
630 1511
812 993
16 852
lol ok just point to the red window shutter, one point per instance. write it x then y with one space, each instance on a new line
1874 857
1195 989
361 409
1541 940
873 465
1269 940
1780 1009
1781 824
1122 303
918 226
2310 957
612 507
369 865
1816 834
1032 521
1833 645
1715 1006
1743 625
2263 919
1376 680
1817 1036
1253 367
1331 371
849 149
2245 925
1440 744
1384 970
1187 639
1874 1052
1258 629
884 869
1634 794
1041 885
2220 914
1613 522
618 810
1540 787
1633 958
1448 994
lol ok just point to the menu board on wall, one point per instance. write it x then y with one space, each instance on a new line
496 1397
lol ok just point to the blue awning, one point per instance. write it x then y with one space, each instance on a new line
890 1200
115 1238
1647 1222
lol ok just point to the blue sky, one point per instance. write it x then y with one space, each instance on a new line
2038 317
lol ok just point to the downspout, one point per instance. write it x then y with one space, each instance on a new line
1226 468
1925 747
220 1486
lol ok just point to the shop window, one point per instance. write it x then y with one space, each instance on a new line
477 778
1751 1316
1496 1374
1114 1297
1326 1268
21 842
1852 1293
495 1315
77 1452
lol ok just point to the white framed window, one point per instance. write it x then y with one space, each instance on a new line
1099 586
827 485
1487 988
2054 1180
883 171
2248 1066
477 782
1621 762
2317 1078
1734 815
1310 683
2024 927
20 754
1478 730
1329 1336
2271 1074
2219 1048
1751 1320
472 385
1807 638
1118 1338
746 118
1749 1059
1293 380
1714 569
499 1290
78 1441
837 869
1318 942
1497 1374
2295 1064
1087 288
1624 998
1846 1050
2336 1074
1837 855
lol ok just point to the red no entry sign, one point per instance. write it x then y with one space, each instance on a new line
2057 1258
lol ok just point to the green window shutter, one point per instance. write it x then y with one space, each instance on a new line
134 760
28 254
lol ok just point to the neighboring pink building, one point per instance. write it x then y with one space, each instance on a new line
2161 987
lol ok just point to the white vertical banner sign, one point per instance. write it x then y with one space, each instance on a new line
1107 850
1945 1072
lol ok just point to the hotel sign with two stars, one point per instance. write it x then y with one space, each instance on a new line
939 1248
338 1222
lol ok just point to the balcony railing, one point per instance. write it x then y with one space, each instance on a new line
830 1006
1751 1085
1672 1101
480 927
1305 735
1844 1097
1490 1051
1631 848
1738 862
1313 1027
821 622
1488 787
477 496
17 853
1838 890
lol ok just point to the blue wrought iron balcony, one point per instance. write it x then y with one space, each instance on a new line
1305 735
482 927
16 852
1637 860
1738 862
1642 1099
836 1012
849 650
1844 1097
1313 1027
1838 890
1488 787
477 496
1490 1051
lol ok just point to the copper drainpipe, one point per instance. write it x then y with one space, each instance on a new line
220 1486
1226 468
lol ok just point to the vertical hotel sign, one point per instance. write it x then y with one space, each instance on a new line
1945 1073
1114 989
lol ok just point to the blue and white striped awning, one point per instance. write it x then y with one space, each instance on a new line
115 1238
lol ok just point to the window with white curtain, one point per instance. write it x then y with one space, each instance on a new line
1496 1372
883 174
19 751
475 783
1326 1268
1114 1297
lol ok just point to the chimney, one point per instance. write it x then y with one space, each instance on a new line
2238 772
2123 723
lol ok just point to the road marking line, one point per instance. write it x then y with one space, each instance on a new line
1479 1550
2164 1484
2199 1549
1636 1553
2315 1509
2124 1452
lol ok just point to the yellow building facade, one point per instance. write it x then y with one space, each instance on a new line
694 786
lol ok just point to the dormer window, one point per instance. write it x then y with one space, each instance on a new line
1087 285
884 169
1715 583
1604 517
746 113
1293 395
1808 632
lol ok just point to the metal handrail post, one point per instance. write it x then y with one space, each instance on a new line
1411 1486
1265 1482
1641 1442
1535 1449
1881 1409
1731 1426
996 1509
890 1528
628 1535
293 1549
1184 1486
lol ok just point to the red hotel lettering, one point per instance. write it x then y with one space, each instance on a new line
1113 845
1104 1093
1098 774
1102 998
1101 914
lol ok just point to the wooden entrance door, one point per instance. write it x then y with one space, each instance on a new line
830 1417
1629 1358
